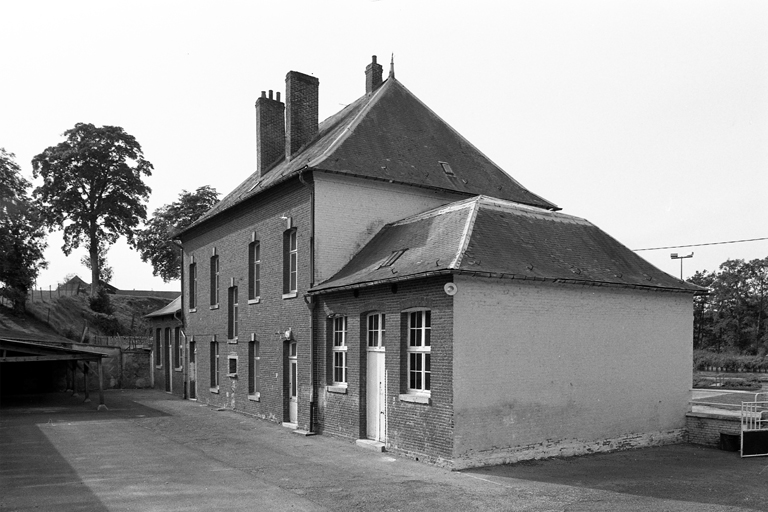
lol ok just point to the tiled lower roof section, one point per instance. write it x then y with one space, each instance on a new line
491 237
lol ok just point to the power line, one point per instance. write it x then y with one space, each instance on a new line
700 245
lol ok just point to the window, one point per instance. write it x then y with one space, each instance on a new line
192 285
254 387
376 328
158 348
340 350
419 348
232 313
392 258
214 280
290 262
214 365
254 270
232 366
177 348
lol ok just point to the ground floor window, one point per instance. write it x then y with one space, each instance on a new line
254 360
214 365
419 349
340 350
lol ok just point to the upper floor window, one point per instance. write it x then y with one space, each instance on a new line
340 350
232 313
214 280
254 270
290 262
376 329
192 285
419 351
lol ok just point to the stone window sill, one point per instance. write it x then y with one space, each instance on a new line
255 398
291 295
416 399
337 388
215 390
214 306
193 310
254 301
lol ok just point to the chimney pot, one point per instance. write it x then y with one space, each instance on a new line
263 94
270 94
278 95
373 74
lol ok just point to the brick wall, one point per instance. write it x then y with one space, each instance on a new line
265 320
705 429
538 363
423 431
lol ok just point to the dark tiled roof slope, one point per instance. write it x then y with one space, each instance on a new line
390 135
169 309
491 237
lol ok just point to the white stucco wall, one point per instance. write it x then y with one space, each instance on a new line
557 369
350 211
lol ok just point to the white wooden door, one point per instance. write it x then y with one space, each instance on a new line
293 405
376 395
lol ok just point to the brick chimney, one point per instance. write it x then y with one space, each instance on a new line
270 131
301 98
372 76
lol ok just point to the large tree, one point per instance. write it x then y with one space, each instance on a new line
22 236
154 241
93 188
734 315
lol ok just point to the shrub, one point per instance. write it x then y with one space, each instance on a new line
100 303
107 325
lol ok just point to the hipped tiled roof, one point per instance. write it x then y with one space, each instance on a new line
495 238
390 135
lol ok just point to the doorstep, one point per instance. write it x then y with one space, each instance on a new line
370 444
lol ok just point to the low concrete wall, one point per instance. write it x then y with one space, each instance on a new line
705 428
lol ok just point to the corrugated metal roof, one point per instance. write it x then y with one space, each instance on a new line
389 135
493 237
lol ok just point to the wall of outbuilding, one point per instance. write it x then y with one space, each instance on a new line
552 369
423 431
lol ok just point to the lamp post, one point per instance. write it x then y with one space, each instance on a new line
680 257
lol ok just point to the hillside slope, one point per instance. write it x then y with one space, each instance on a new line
68 316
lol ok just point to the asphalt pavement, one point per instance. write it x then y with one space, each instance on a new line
152 451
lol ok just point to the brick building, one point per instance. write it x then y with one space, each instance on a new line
168 348
383 223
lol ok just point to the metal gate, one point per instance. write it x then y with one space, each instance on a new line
754 429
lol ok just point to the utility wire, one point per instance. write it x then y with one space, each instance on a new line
700 245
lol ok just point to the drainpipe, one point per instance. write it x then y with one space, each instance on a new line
311 303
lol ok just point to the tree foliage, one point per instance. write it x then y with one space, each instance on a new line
22 234
734 315
154 241
93 188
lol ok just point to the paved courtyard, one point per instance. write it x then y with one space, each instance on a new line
151 451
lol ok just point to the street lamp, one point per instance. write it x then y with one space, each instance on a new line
680 257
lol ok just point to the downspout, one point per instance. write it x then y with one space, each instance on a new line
185 364
311 303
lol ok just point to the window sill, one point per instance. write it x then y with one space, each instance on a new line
214 306
255 398
254 301
193 310
291 295
416 399
232 375
158 367
179 369
215 390
233 341
337 388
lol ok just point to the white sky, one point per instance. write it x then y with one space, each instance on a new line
648 118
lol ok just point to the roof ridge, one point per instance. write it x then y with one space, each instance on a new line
454 130
465 236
